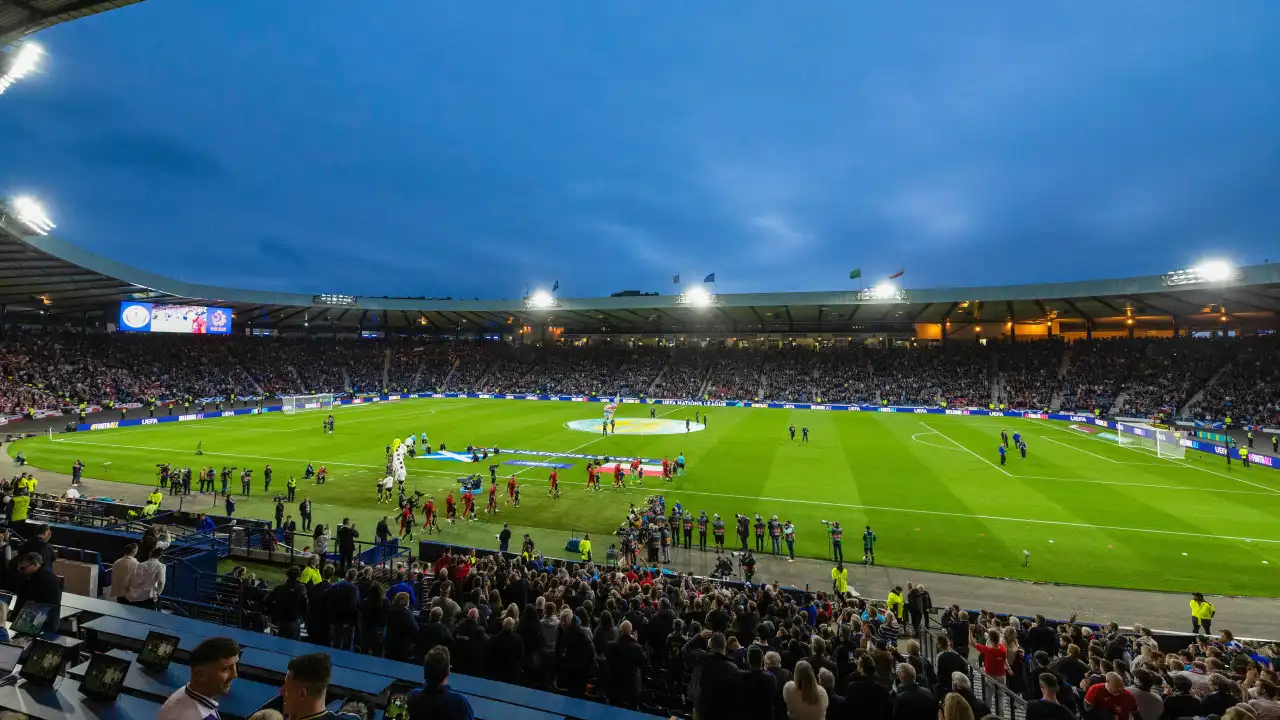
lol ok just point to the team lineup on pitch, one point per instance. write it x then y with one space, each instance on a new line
1081 509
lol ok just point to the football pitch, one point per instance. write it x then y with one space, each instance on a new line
1089 511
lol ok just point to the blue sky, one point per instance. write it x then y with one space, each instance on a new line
473 148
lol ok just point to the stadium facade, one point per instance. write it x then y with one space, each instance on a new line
46 281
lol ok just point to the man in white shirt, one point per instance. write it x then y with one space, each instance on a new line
213 668
147 582
121 571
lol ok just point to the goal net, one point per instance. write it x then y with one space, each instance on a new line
299 403
1163 443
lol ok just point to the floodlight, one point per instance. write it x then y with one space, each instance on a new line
541 299
1215 270
885 290
697 296
21 62
31 213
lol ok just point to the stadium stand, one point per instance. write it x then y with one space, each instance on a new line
533 637
1226 377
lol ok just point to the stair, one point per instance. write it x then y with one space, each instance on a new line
706 379
416 383
257 388
658 380
1055 404
1185 410
386 368
346 379
993 373
444 386
297 379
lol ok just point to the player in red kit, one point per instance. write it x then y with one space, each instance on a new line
406 521
617 475
511 489
553 491
636 474
468 506
429 510
450 509
492 508
593 478
666 468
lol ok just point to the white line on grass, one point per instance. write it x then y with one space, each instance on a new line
1181 463
1032 521
953 442
1143 485
1086 452
916 437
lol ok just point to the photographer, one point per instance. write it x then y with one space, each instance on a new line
279 511
748 563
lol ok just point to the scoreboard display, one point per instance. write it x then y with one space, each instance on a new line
186 319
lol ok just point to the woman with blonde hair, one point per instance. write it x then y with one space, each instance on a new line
955 707
1016 657
805 698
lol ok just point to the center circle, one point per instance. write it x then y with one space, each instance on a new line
636 426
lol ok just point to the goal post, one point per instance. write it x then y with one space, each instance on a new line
298 403
1162 443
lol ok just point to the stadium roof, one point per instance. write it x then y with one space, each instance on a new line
23 17
45 278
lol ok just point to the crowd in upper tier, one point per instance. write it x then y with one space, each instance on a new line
1184 377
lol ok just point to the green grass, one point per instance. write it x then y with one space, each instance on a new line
1089 511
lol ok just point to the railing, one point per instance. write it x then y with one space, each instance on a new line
1003 702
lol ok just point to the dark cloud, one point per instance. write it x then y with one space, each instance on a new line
151 154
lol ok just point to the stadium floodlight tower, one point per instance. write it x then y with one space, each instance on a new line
30 213
697 296
19 63
1215 270
541 300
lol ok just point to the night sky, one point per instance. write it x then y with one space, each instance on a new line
475 148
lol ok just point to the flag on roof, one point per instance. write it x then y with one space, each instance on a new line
709 278
897 275
855 273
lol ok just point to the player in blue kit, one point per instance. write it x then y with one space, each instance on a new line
1017 439
1022 448
1002 453
804 434
792 430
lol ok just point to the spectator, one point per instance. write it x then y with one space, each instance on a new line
436 701
121 570
912 702
39 544
146 583
759 687
955 707
994 655
1150 703
865 696
305 686
344 611
625 659
1111 699
719 685
37 583
286 605
806 700
318 604
506 654
960 686
1048 707
402 629
213 668
1182 703
434 631
374 618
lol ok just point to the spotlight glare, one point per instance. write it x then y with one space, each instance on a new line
31 213
21 62
1215 270
885 290
697 296
541 299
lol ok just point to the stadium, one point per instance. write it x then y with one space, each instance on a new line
1098 448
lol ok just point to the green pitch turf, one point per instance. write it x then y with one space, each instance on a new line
1088 511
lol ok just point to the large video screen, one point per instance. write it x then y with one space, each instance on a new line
188 319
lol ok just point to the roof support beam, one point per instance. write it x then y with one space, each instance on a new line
790 323
1076 309
289 316
1252 297
1108 305
1013 316
922 311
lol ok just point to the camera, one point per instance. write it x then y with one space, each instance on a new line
279 498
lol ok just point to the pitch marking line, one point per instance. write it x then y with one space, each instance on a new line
916 437
1183 464
962 447
1086 452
